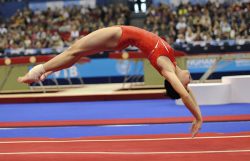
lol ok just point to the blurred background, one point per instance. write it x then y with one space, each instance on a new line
211 39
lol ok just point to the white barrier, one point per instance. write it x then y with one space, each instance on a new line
239 88
232 89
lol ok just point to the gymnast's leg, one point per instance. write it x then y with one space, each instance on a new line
97 41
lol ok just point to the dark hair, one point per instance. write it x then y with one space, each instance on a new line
170 91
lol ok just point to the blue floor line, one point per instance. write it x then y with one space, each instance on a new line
109 110
83 131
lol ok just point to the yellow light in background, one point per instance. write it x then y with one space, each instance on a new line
7 61
125 55
32 59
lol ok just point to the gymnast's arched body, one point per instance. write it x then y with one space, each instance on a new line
158 52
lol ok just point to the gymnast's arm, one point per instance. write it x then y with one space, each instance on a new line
167 71
196 104
192 96
186 97
187 100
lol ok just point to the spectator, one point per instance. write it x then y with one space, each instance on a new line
54 28
212 21
27 42
189 36
74 33
181 25
180 39
191 23
3 29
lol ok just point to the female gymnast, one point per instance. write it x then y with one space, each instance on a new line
158 52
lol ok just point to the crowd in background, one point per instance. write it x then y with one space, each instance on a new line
57 28
3 1
194 23
184 24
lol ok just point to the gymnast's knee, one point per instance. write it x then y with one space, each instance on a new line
74 51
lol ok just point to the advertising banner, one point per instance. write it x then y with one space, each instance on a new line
101 68
202 65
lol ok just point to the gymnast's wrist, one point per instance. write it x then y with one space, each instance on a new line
198 118
36 72
39 69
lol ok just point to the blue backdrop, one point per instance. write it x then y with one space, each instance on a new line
102 68
201 65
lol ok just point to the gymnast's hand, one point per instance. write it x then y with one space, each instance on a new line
196 126
36 74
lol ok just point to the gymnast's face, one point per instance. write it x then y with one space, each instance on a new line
184 76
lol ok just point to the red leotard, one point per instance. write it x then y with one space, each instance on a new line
150 44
